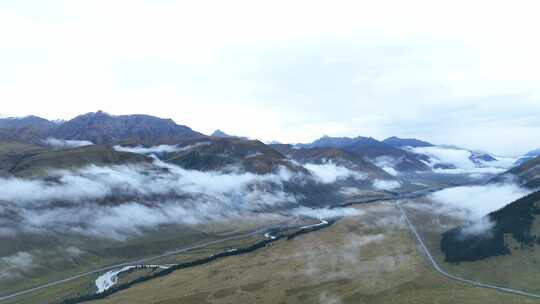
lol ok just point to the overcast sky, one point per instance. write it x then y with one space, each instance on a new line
459 72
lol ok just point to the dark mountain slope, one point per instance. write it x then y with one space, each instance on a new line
336 156
26 122
102 128
375 151
406 142
210 154
526 175
29 129
27 160
518 220
530 155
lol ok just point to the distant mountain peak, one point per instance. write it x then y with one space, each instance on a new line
103 128
372 149
406 142
528 156
25 121
219 133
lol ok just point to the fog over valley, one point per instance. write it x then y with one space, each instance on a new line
304 152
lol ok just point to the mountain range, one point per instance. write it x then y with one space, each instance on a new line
375 151
528 156
394 155
97 127
102 128
151 183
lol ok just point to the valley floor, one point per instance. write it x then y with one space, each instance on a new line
371 258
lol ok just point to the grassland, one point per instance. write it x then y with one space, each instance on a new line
54 262
364 259
519 270
369 258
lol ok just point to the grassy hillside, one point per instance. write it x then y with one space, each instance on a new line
514 220
227 153
357 260
28 160
341 158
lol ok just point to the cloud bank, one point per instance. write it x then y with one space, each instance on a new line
65 143
387 185
326 213
451 160
473 203
119 201
158 149
329 172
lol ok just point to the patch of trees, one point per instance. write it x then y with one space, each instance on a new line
514 219
533 184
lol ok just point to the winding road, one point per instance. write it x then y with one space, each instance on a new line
258 231
451 276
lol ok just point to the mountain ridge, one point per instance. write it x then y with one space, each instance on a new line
98 127
376 151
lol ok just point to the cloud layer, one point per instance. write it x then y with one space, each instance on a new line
158 149
473 203
381 184
329 172
65 144
451 160
325 213
119 201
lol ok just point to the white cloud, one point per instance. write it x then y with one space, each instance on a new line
329 172
327 298
410 71
159 149
326 213
381 184
390 171
473 203
137 198
14 265
478 201
65 144
478 227
460 160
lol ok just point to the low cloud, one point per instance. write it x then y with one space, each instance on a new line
158 149
473 203
478 227
329 263
329 172
15 265
390 170
66 144
328 298
326 213
119 201
387 185
450 160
